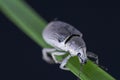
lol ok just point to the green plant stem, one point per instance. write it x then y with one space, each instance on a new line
32 24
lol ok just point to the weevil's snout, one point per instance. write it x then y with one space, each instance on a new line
82 55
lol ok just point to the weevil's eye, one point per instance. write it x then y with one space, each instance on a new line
79 54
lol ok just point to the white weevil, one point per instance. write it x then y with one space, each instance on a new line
64 37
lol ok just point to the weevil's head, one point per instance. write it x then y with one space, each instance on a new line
76 46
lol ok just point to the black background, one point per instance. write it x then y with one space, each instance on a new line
21 57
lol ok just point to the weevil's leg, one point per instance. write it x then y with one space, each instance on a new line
58 54
94 56
45 53
53 52
64 62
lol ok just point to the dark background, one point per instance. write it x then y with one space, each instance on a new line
21 57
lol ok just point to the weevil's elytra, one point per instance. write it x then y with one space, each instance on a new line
64 37
57 32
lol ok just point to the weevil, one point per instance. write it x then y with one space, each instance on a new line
64 38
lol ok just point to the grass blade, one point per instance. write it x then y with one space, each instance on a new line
32 24
25 18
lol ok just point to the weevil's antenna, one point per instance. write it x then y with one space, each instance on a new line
55 19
